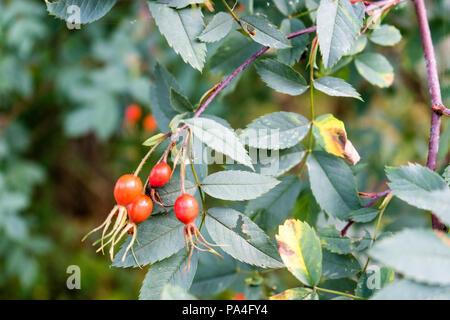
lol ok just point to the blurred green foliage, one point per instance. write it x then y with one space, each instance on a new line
63 140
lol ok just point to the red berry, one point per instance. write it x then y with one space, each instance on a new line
127 189
150 123
133 113
140 209
239 296
160 175
186 208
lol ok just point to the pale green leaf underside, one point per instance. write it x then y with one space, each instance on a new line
241 238
385 35
335 87
278 130
217 28
338 25
79 11
409 290
422 188
181 29
237 185
333 184
421 255
220 138
280 77
375 68
265 33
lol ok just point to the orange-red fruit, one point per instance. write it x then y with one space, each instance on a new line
140 209
239 296
133 113
127 189
186 208
150 123
160 175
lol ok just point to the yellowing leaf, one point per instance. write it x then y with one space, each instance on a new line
296 294
330 134
300 250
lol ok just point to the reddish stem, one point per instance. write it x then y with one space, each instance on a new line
368 205
222 85
435 93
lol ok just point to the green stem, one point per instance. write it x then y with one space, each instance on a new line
340 293
202 196
382 208
304 13
232 13
312 61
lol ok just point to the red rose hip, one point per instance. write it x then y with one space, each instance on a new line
140 209
127 189
186 208
160 175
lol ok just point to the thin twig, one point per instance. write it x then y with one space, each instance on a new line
222 85
435 93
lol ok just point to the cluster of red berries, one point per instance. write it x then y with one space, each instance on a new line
128 192
133 114
132 202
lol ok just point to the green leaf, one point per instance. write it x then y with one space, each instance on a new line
336 87
422 188
358 46
372 281
306 208
181 29
288 7
237 185
292 55
338 25
171 292
276 204
172 190
281 77
385 35
333 184
446 175
296 294
265 33
232 53
421 255
363 215
272 162
217 28
220 138
179 102
376 69
336 266
241 238
80 11
278 130
179 4
300 250
168 271
158 237
332 240
409 290
214 274
153 140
